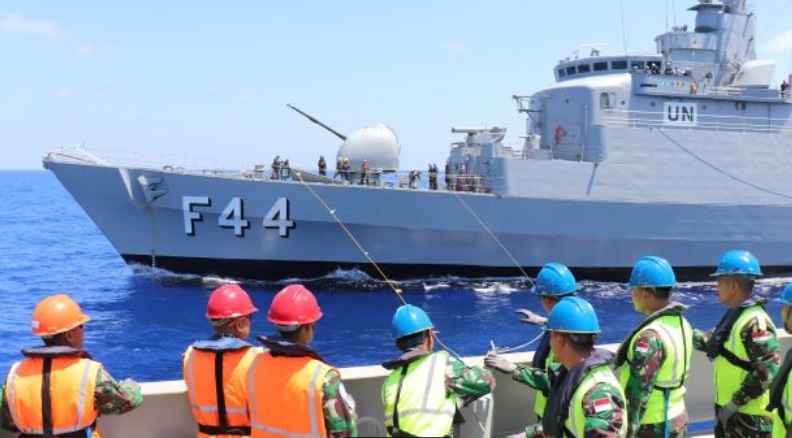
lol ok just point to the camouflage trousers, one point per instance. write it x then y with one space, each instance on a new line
744 426
658 431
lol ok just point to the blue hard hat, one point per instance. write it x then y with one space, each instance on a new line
652 271
573 315
409 320
786 296
554 280
738 262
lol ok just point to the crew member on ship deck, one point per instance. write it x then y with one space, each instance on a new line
291 389
744 349
553 283
420 394
587 400
781 390
45 393
655 357
215 369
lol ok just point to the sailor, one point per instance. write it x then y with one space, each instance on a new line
292 391
215 369
586 399
744 349
364 174
339 168
432 177
420 394
45 393
553 283
655 356
781 390
276 164
322 166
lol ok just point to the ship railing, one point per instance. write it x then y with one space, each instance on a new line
706 122
157 161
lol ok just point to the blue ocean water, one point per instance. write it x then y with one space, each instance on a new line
142 320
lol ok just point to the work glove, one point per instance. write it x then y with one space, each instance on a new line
726 413
531 318
499 363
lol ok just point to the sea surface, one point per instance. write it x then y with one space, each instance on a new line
143 319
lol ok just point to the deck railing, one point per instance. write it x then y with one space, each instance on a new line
705 122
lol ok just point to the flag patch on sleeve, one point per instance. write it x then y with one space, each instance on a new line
641 346
602 405
762 336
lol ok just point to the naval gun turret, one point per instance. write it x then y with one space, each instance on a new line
377 145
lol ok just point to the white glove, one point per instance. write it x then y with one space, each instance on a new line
726 413
531 318
499 363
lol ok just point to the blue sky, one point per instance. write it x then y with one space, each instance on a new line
212 79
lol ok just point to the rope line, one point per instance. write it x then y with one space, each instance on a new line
494 237
501 350
721 171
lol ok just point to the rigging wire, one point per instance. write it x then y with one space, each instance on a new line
390 282
624 31
719 170
494 237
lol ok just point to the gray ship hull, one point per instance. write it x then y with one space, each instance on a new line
409 233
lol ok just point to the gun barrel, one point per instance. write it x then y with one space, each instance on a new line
313 119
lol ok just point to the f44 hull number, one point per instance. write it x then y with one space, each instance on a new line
233 215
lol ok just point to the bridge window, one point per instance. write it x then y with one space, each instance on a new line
619 65
561 73
600 66
584 68
571 70
607 100
637 65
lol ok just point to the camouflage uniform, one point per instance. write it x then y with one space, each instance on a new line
468 383
536 378
110 397
606 423
763 353
644 370
339 410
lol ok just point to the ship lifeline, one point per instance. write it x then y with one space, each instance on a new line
683 154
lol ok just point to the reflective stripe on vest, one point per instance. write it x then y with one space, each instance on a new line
576 421
729 377
72 381
779 428
541 399
426 407
285 396
676 335
199 375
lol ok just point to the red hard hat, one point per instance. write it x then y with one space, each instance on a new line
294 305
229 301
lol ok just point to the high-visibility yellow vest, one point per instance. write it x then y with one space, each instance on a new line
676 335
779 428
729 377
72 381
541 400
199 375
576 420
425 407
285 396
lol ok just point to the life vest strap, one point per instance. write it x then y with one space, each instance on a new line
228 430
82 433
736 361
222 414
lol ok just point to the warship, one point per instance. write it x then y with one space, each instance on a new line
683 154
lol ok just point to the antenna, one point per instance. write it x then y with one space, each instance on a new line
624 31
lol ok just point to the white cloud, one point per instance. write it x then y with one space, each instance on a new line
781 43
84 51
63 95
453 47
15 23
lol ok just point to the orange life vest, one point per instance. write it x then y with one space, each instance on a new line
224 416
68 406
285 396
